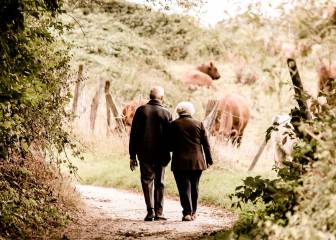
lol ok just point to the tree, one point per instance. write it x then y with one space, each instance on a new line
33 76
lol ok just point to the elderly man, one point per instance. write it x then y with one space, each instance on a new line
148 142
189 144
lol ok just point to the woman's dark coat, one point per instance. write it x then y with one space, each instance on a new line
188 141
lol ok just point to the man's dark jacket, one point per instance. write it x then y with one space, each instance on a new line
188 141
149 134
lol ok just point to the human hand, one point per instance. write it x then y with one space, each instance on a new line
133 164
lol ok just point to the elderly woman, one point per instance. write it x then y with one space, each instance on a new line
189 144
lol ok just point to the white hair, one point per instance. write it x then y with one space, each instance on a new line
156 92
185 108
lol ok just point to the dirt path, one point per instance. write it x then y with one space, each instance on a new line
118 214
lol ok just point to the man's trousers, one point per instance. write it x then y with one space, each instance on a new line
152 181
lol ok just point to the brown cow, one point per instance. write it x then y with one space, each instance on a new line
202 75
245 75
233 114
129 110
326 71
326 74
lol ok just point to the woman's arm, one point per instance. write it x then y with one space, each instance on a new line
206 146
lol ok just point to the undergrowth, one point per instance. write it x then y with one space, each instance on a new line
34 199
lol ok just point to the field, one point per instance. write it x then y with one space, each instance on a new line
122 46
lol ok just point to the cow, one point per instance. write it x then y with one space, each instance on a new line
244 75
129 110
202 75
326 72
282 140
233 114
326 90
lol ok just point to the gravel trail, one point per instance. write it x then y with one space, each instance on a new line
117 214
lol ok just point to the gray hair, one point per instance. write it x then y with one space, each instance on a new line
156 92
185 108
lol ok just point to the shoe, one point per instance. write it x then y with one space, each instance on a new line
160 218
149 217
193 216
186 218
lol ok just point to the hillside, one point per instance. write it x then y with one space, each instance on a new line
135 47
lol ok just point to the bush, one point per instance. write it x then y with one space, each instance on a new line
31 199
299 204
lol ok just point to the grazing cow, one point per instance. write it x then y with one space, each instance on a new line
326 71
202 75
283 140
129 110
233 114
245 75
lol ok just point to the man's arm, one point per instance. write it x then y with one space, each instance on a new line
170 117
166 136
206 146
135 128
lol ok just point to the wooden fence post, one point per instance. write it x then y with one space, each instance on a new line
257 156
298 88
94 106
111 106
78 88
108 112
210 114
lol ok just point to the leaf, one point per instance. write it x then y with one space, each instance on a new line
284 140
7 124
24 146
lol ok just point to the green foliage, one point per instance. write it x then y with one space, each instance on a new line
295 201
34 86
321 24
315 214
29 206
171 33
172 36
33 77
277 196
